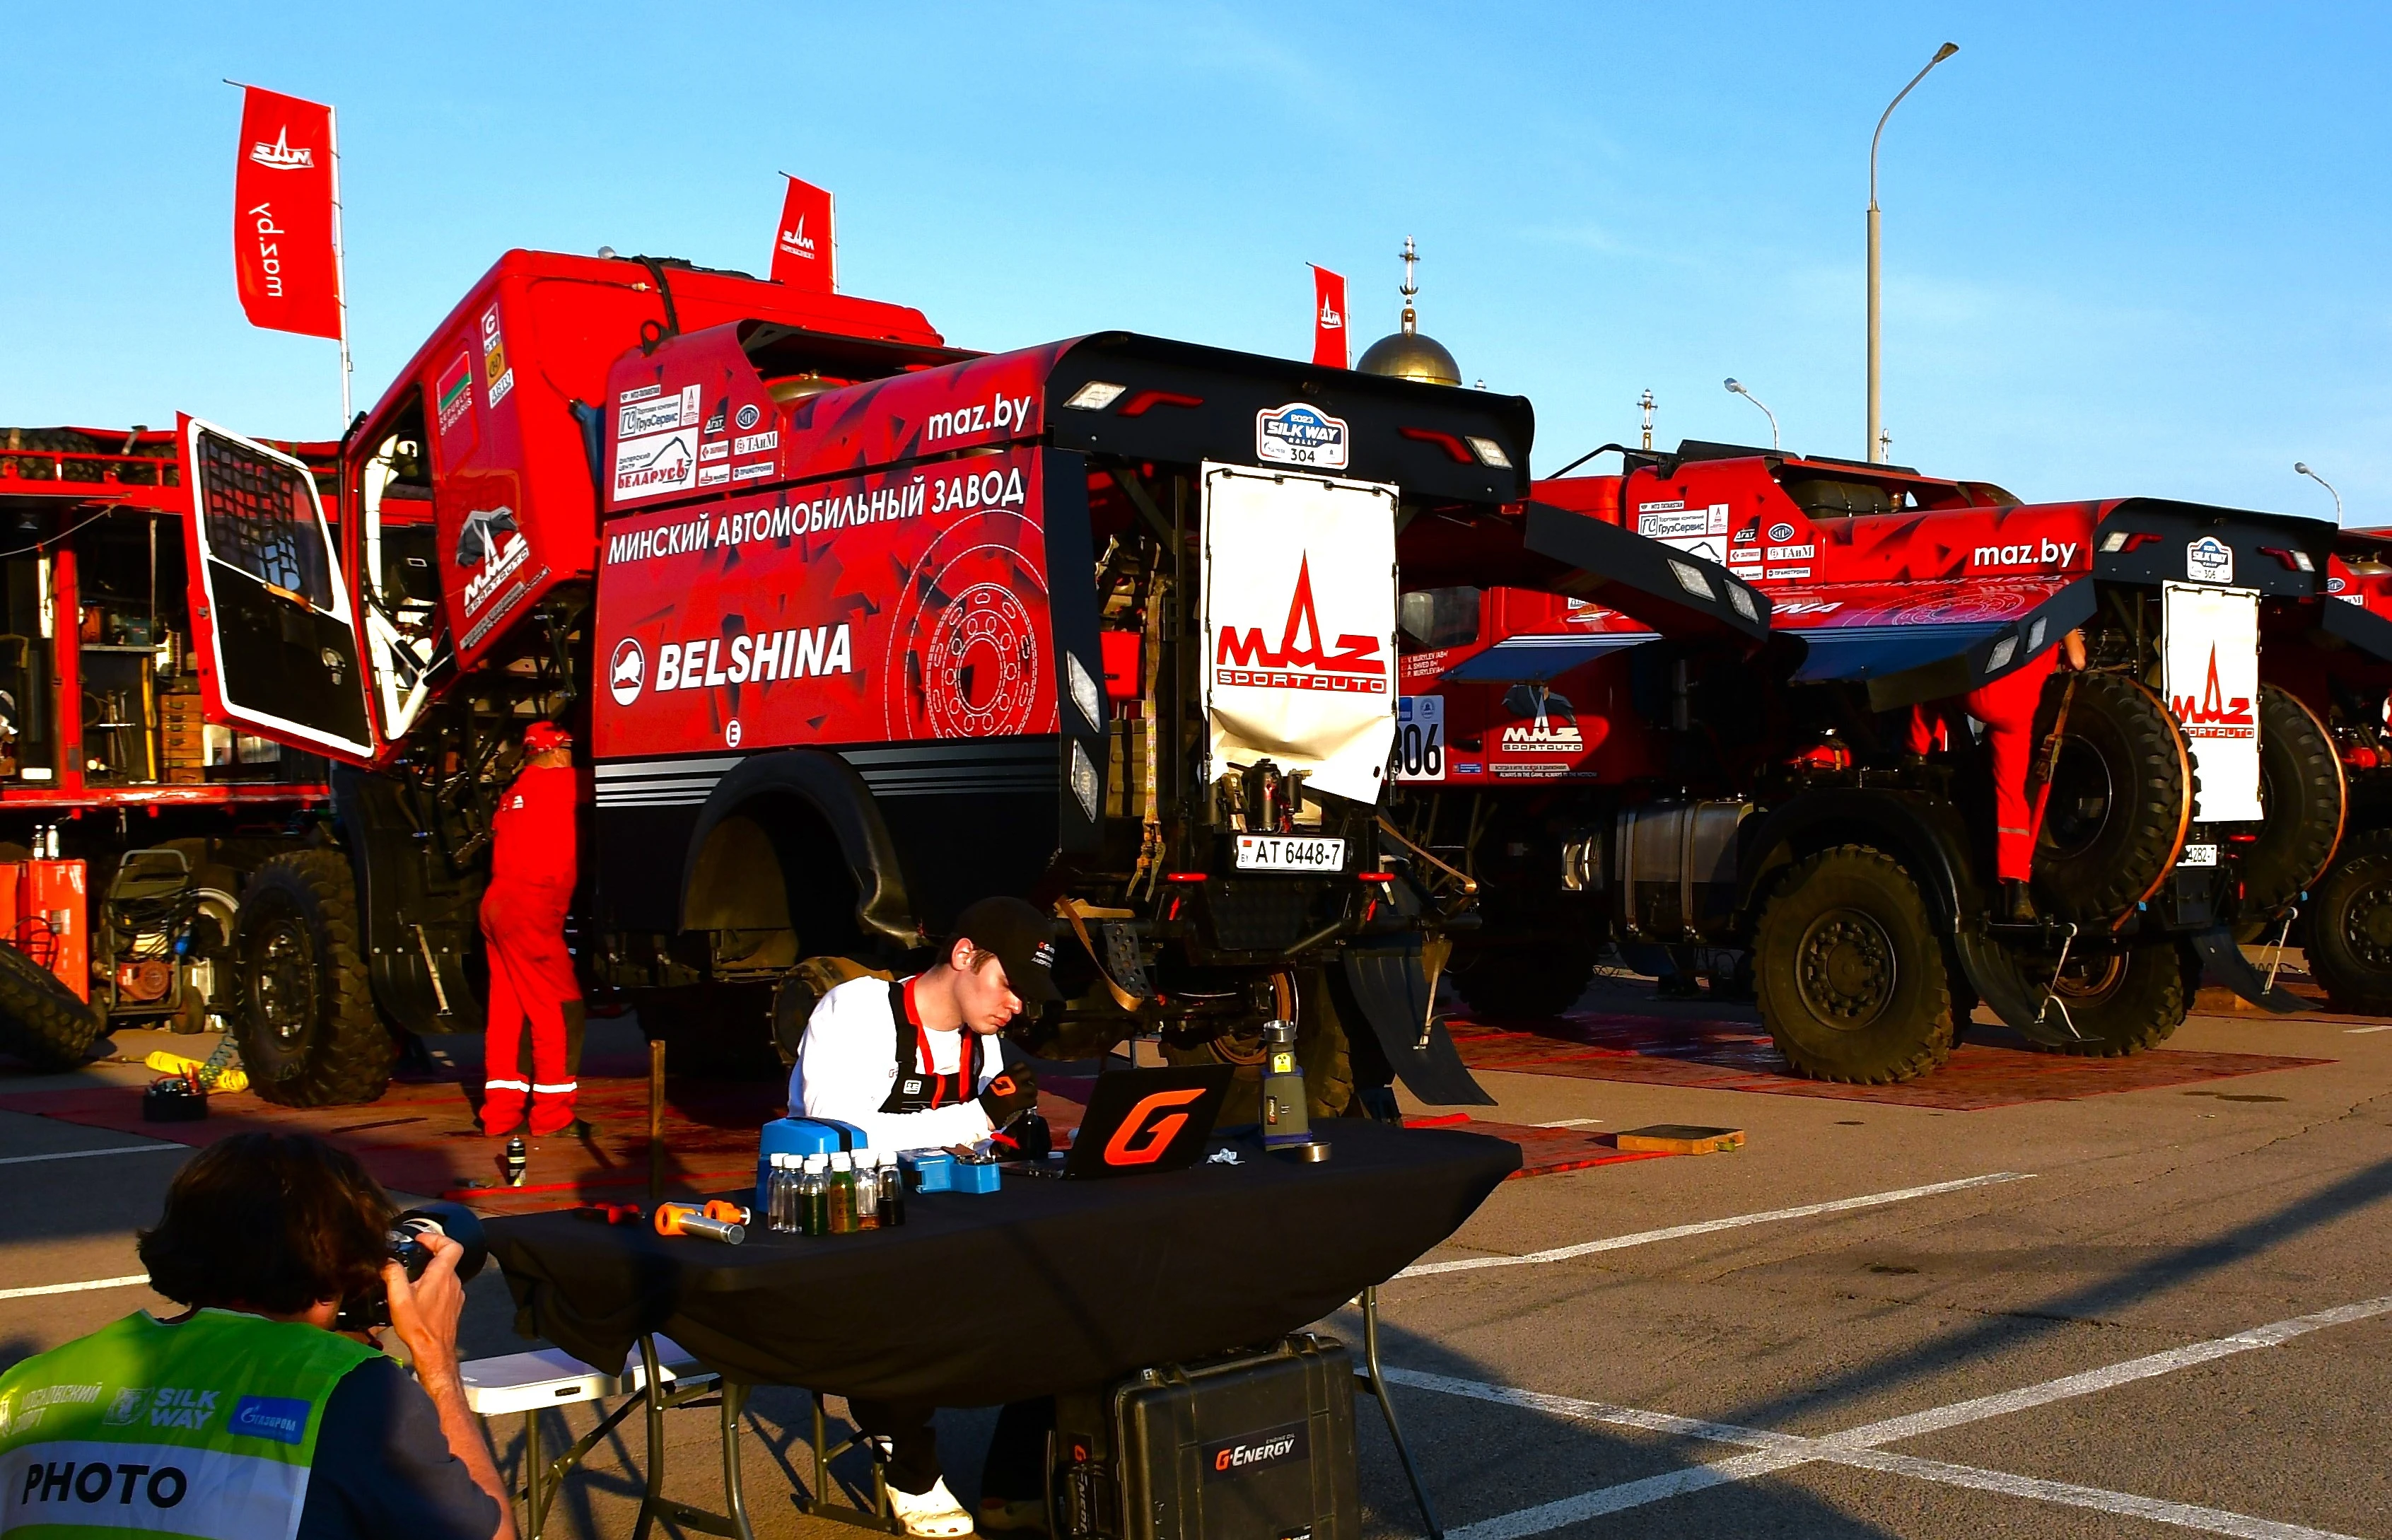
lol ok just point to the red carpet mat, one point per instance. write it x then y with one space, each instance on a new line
1543 1151
1737 1056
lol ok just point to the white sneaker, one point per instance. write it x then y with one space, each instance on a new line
933 1515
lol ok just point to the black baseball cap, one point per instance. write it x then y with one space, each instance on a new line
1022 939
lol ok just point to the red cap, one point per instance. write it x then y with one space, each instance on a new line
541 737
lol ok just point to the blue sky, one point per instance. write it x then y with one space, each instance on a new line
2128 249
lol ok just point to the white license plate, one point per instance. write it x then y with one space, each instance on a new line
2198 855
1289 852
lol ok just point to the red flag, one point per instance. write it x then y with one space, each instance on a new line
1328 317
283 248
801 254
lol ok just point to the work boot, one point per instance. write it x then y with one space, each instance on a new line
2018 905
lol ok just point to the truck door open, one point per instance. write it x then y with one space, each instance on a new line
275 629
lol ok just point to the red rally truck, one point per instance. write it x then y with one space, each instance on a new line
1636 788
854 627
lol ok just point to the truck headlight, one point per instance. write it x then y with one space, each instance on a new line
1083 781
1691 578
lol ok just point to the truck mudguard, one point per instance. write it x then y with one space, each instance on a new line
416 912
830 787
1391 988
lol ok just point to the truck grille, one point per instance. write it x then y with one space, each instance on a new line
1266 914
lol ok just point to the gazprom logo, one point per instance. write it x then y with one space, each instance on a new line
281 1418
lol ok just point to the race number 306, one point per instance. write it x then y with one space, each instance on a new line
1418 751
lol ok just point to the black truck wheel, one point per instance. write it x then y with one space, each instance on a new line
2120 1002
1851 972
2349 926
303 1016
2121 797
42 1021
1516 983
1321 1047
2301 787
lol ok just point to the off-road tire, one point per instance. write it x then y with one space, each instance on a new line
800 989
2121 1003
1850 970
303 1011
2349 926
2301 787
42 1021
1518 985
1321 1047
2114 822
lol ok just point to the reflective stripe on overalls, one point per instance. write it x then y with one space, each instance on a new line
205 1429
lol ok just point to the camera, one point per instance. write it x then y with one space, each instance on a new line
407 1245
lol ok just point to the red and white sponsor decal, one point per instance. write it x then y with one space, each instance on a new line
903 606
802 249
1300 661
282 248
2210 660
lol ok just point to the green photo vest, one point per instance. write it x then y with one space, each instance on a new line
204 1429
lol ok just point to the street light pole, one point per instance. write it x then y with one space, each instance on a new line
1876 443
2300 468
1735 388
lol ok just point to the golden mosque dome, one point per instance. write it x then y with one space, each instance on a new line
1408 355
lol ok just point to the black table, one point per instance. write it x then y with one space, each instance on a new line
1045 1286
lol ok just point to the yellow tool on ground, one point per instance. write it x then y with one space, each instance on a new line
231 1078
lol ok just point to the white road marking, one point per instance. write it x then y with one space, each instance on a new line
1569 1123
1774 1451
74 1288
79 1155
1678 1232
2362 1031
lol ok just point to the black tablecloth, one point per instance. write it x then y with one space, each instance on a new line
1044 1286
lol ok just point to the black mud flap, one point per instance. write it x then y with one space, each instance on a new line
1392 988
2222 962
1996 977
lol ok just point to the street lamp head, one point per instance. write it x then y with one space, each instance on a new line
2301 468
1735 388
1945 52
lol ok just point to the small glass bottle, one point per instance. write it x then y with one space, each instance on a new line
814 1185
785 1195
867 1190
892 1193
841 1197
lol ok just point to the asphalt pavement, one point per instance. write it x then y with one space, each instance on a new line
2164 1312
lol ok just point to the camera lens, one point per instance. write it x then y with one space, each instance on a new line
455 1220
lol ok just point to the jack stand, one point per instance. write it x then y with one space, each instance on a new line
2275 957
2051 995
1371 1379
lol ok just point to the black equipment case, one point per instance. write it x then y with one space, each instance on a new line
1258 1445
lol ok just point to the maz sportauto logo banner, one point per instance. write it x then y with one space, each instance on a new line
1299 625
2211 662
282 240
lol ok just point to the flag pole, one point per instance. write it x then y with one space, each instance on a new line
340 276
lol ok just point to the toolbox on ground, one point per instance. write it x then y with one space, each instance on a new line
1258 1445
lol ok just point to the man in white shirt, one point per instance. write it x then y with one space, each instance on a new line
917 1065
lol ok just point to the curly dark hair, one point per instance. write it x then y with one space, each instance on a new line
269 1222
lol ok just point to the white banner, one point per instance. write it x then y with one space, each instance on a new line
1300 625
2210 666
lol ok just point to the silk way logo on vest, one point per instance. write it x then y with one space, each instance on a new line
1300 663
279 156
796 242
2215 715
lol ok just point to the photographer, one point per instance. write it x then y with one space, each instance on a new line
249 1413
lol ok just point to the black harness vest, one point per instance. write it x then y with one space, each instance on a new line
917 1087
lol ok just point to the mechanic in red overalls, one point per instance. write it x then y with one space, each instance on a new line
532 873
2006 707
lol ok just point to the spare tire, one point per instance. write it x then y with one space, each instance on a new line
2301 787
2120 798
42 1021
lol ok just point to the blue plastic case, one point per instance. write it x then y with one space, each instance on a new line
800 1137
